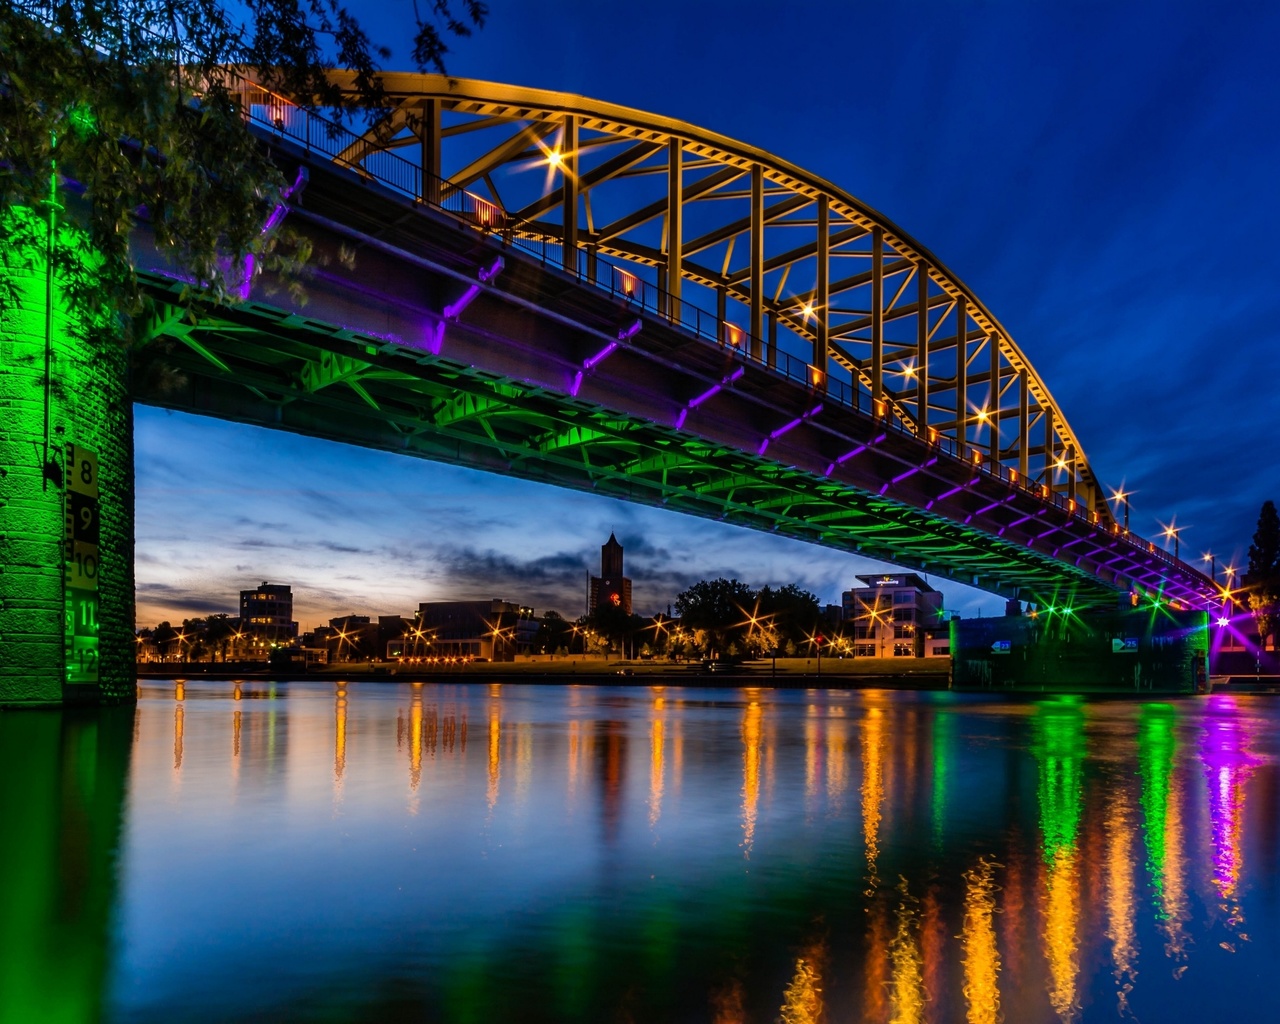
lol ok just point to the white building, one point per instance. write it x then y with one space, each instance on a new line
896 616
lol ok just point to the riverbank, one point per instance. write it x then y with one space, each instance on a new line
923 674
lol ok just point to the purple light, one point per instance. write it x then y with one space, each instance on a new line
591 364
947 494
789 426
600 356
855 452
627 333
713 390
454 309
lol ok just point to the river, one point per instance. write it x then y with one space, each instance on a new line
482 853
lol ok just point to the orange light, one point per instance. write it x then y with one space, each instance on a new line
487 214
626 283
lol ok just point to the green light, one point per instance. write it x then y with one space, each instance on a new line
78 632
1059 750
1157 745
82 120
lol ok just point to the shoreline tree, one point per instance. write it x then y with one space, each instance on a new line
1262 577
132 104
729 616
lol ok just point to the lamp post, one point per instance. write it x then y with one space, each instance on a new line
1172 531
1212 559
1123 496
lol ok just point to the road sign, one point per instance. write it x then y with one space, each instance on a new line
1002 647
1129 645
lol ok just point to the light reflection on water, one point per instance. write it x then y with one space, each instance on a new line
374 852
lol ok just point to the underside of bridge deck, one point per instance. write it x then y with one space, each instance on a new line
442 343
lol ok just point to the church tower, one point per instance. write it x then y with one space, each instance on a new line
611 586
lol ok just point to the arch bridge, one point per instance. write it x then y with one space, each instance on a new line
570 290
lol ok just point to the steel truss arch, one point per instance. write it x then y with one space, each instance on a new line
745 247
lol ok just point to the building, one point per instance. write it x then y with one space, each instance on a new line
474 630
348 638
266 614
612 584
897 616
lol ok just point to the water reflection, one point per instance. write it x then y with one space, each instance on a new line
751 716
62 788
802 1001
639 854
1059 750
981 955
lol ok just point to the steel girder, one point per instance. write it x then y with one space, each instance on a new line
751 248
653 415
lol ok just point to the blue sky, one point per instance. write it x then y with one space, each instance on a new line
1103 175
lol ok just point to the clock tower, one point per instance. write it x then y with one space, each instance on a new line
611 586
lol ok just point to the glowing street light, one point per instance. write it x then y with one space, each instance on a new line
1171 532
1124 496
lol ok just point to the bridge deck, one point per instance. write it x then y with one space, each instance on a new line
544 377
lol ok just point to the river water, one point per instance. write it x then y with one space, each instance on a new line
383 852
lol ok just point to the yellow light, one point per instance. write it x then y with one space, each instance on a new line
806 311
554 158
1062 463
982 414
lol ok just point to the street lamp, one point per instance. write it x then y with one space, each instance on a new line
1172 531
1212 559
1123 496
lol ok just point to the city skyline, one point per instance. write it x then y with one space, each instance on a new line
1094 174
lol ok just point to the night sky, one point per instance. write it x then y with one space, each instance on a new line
1103 175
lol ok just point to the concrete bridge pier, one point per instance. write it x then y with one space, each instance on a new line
66 479
1123 651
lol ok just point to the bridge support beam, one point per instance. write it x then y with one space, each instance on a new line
962 375
66 486
822 298
922 349
569 172
877 319
429 136
675 226
993 413
1024 427
757 260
